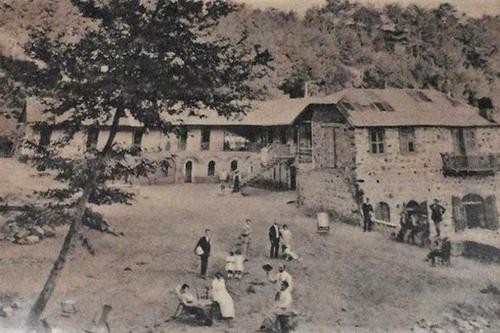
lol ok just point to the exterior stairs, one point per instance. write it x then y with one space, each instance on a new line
275 155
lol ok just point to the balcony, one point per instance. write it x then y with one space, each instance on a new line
461 165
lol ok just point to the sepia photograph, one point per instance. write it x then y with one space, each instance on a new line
245 166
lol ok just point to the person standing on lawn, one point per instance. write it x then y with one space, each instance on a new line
202 249
274 238
245 235
367 209
437 212
285 238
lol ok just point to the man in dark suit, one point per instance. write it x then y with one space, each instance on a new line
367 209
274 238
204 245
437 212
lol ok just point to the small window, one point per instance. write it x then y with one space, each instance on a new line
138 134
182 138
377 141
45 134
211 168
383 106
347 106
92 137
168 146
205 139
407 140
470 139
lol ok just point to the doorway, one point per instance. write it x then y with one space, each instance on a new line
234 165
188 172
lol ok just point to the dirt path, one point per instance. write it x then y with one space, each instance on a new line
348 281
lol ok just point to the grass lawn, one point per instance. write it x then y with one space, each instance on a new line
347 281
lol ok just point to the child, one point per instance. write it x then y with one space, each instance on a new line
238 265
230 265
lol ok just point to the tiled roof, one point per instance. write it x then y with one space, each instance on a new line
361 107
262 113
405 107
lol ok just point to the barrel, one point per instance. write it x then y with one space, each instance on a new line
323 220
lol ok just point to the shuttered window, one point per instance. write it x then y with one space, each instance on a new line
407 140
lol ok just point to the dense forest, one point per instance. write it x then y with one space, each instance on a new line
341 44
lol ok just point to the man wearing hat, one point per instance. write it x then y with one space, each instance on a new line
284 276
437 215
274 238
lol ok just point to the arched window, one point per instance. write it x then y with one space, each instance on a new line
382 212
211 168
234 165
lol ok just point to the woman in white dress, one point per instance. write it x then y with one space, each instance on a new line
222 297
285 238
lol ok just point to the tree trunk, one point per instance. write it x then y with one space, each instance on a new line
34 318
42 300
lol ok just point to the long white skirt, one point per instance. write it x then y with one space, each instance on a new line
221 296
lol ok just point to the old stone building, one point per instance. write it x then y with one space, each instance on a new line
261 145
399 146
394 146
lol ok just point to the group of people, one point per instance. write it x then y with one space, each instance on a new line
413 224
232 181
281 234
205 307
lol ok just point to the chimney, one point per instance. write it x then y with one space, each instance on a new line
306 88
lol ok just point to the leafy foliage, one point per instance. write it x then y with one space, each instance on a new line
344 44
143 60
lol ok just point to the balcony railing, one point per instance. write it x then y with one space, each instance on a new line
470 164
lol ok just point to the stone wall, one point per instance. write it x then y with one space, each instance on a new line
394 177
326 183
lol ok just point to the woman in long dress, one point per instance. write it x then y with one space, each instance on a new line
285 238
222 297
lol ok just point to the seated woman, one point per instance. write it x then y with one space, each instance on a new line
190 305
279 319
221 296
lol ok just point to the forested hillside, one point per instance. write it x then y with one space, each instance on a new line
341 44
344 44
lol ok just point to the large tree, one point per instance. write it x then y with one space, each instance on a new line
142 59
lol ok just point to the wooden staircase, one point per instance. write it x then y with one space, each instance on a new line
276 156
